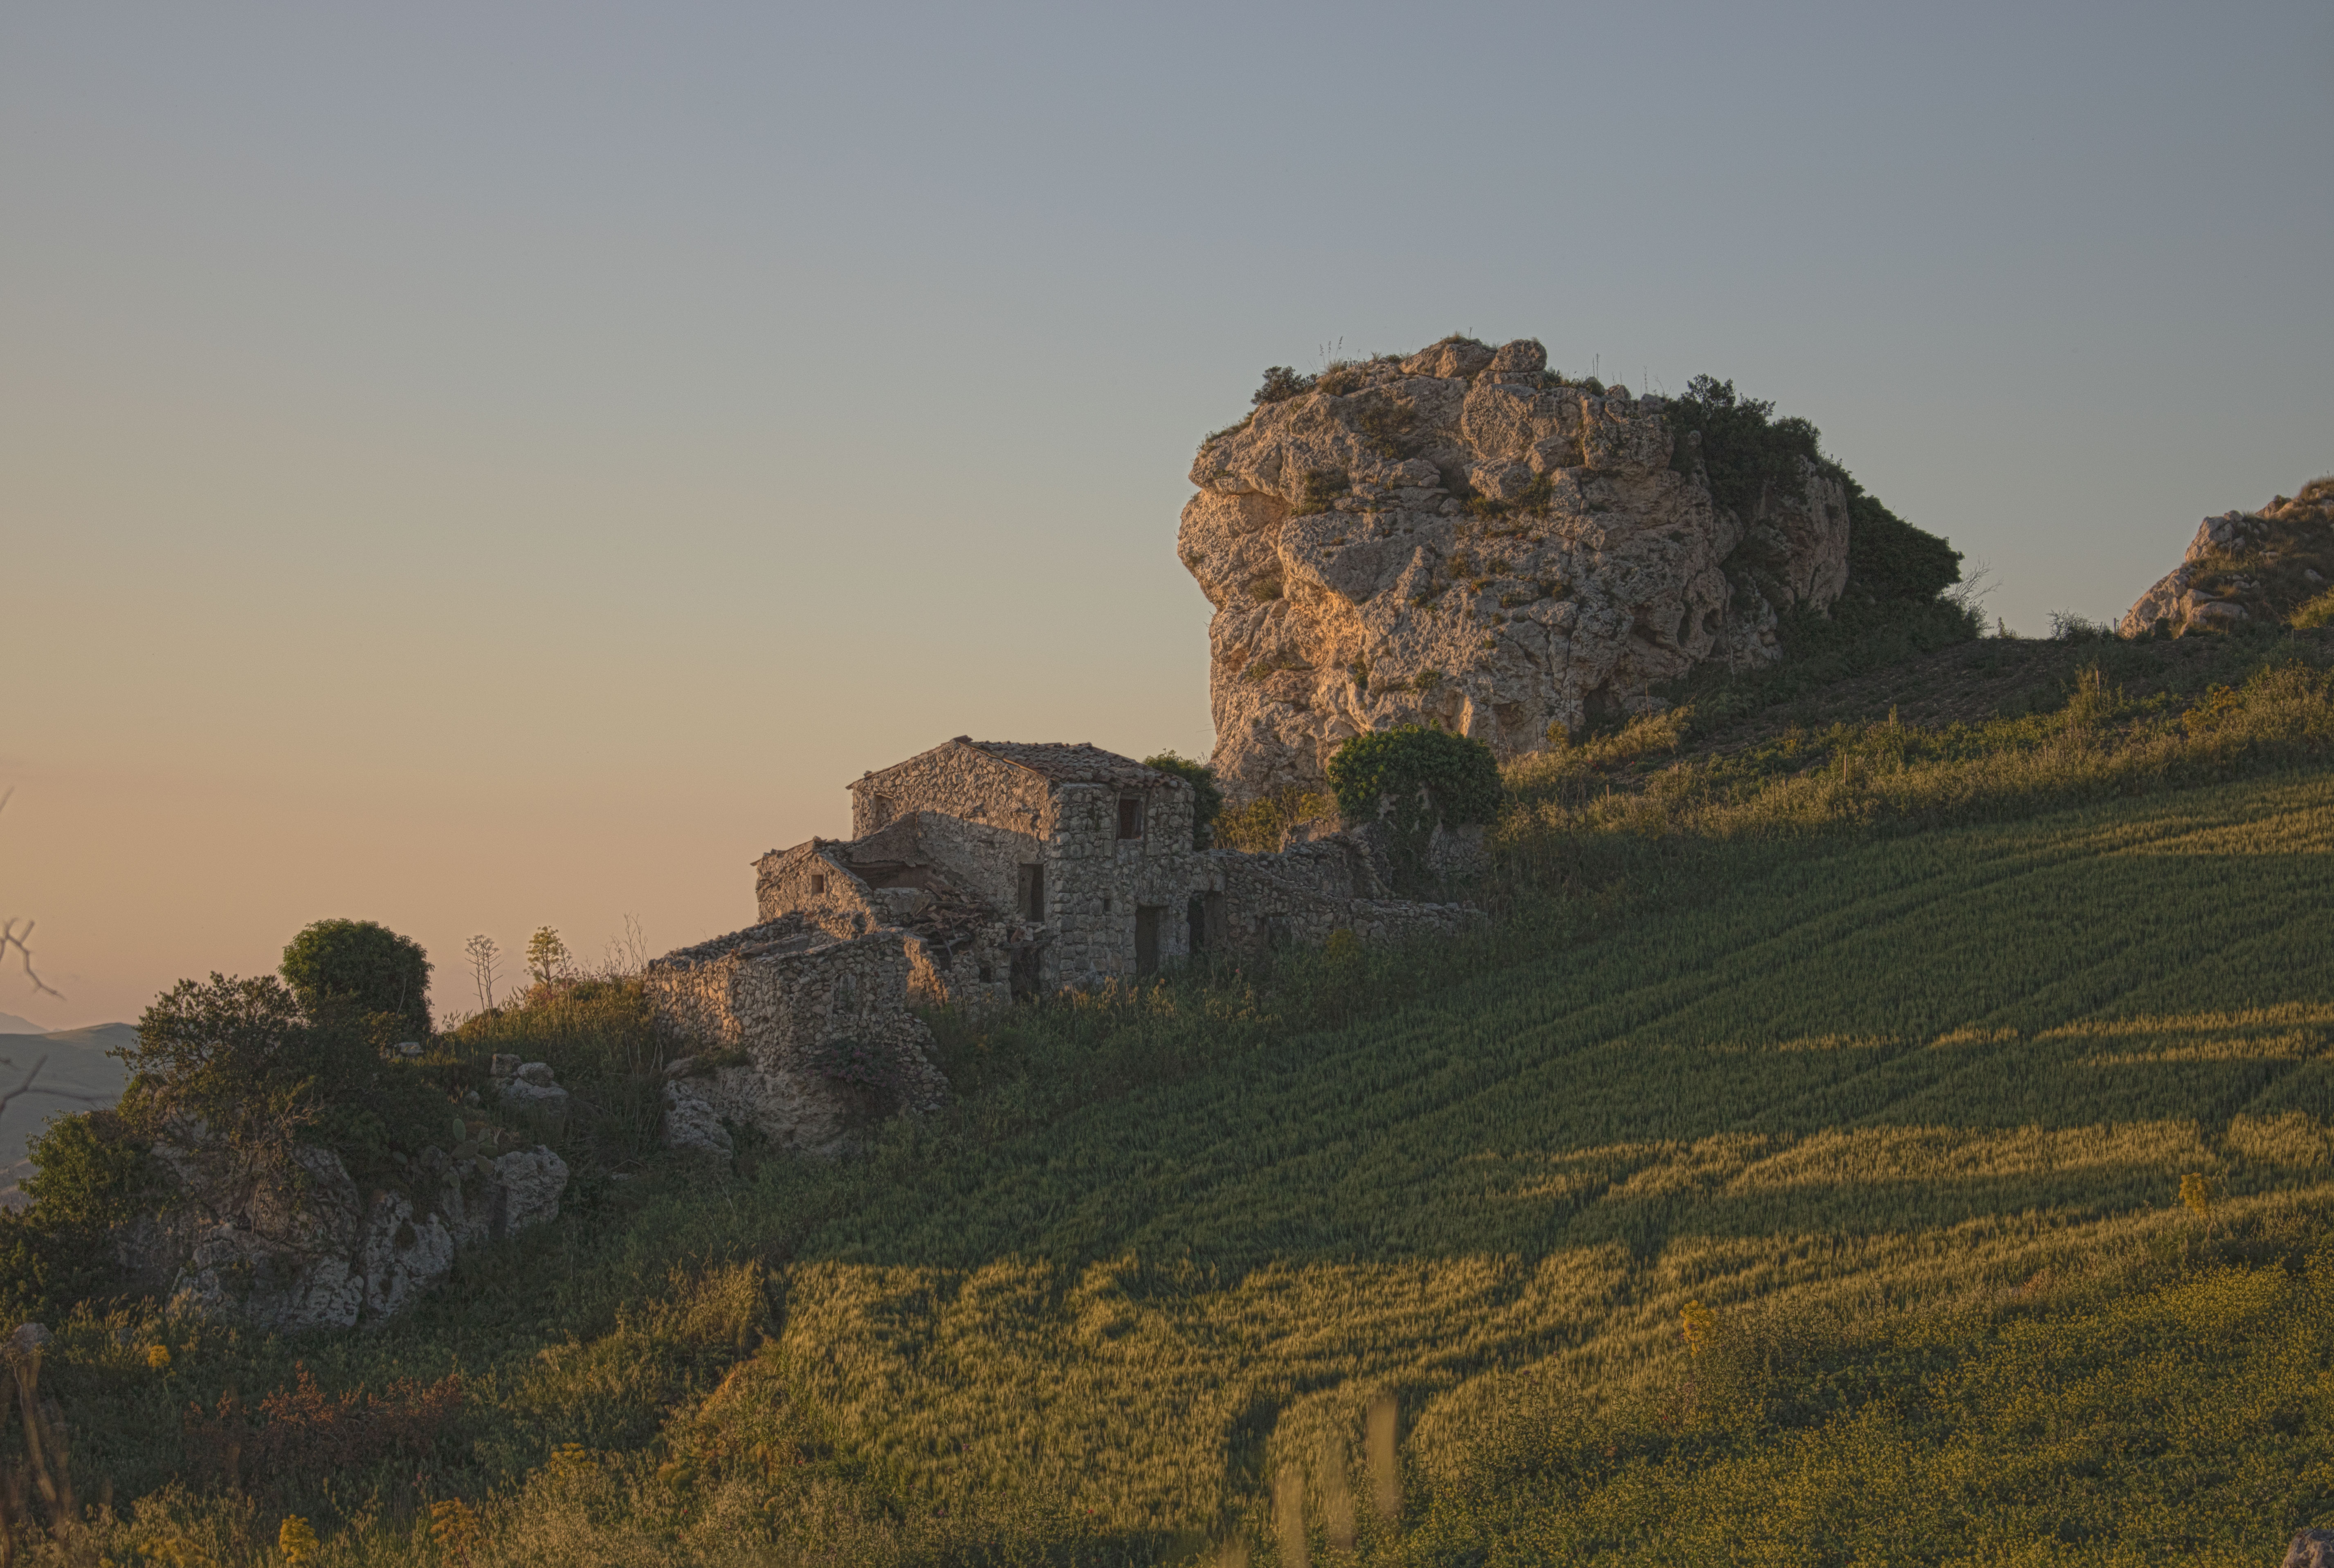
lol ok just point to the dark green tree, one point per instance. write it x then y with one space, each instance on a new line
1207 800
362 965
1415 779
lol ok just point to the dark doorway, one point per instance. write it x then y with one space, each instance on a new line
1147 938
1207 917
1031 893
1024 974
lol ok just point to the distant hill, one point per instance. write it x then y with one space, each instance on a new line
12 1024
71 1061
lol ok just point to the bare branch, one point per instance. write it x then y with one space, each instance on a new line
28 1088
11 936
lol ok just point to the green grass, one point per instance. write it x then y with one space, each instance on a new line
1901 1094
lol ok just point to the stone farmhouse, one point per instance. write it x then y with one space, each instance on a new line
978 873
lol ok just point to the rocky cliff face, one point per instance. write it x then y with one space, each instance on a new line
2245 566
1461 538
298 1245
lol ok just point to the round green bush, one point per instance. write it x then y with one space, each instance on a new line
1428 774
364 965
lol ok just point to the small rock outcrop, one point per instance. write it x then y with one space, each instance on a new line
2245 568
301 1246
1464 539
2310 1549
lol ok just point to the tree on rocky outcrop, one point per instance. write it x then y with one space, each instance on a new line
364 966
1468 540
1897 573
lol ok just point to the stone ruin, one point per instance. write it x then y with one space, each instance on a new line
978 873
1461 538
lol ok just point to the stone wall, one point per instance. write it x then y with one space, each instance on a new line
979 858
811 881
785 997
1097 882
1299 896
955 779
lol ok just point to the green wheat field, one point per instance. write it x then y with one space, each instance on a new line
1946 1185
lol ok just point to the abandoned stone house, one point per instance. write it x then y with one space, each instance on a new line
977 873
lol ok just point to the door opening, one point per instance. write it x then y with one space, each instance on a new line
1147 938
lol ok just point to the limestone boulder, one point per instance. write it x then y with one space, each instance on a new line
2310 1549
1461 538
532 1086
2244 566
295 1247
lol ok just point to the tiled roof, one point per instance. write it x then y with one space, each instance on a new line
1064 762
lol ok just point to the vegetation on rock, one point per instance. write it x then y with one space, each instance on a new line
365 966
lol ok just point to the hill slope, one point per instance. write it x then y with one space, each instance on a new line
1805 1186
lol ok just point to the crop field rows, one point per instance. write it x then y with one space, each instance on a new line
1901 1120
1908 1075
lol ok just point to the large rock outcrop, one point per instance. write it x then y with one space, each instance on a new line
2245 567
295 1244
1461 538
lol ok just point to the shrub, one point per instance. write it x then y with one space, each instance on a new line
1428 776
1207 800
1891 608
236 1054
1321 488
304 1436
1257 828
259 1073
601 1038
1282 383
364 965
1744 449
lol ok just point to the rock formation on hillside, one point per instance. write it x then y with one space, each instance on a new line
298 1244
2258 566
1463 538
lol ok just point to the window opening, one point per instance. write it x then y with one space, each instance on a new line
818 884
1130 816
1031 892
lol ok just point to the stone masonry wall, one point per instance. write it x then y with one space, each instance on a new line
1294 899
955 780
786 882
1096 881
780 992
980 858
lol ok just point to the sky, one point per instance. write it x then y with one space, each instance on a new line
481 467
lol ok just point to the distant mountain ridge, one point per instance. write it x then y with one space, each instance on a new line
73 1062
12 1024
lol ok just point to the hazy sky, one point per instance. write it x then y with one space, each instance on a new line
477 467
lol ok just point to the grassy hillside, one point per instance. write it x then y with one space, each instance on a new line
1797 1175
